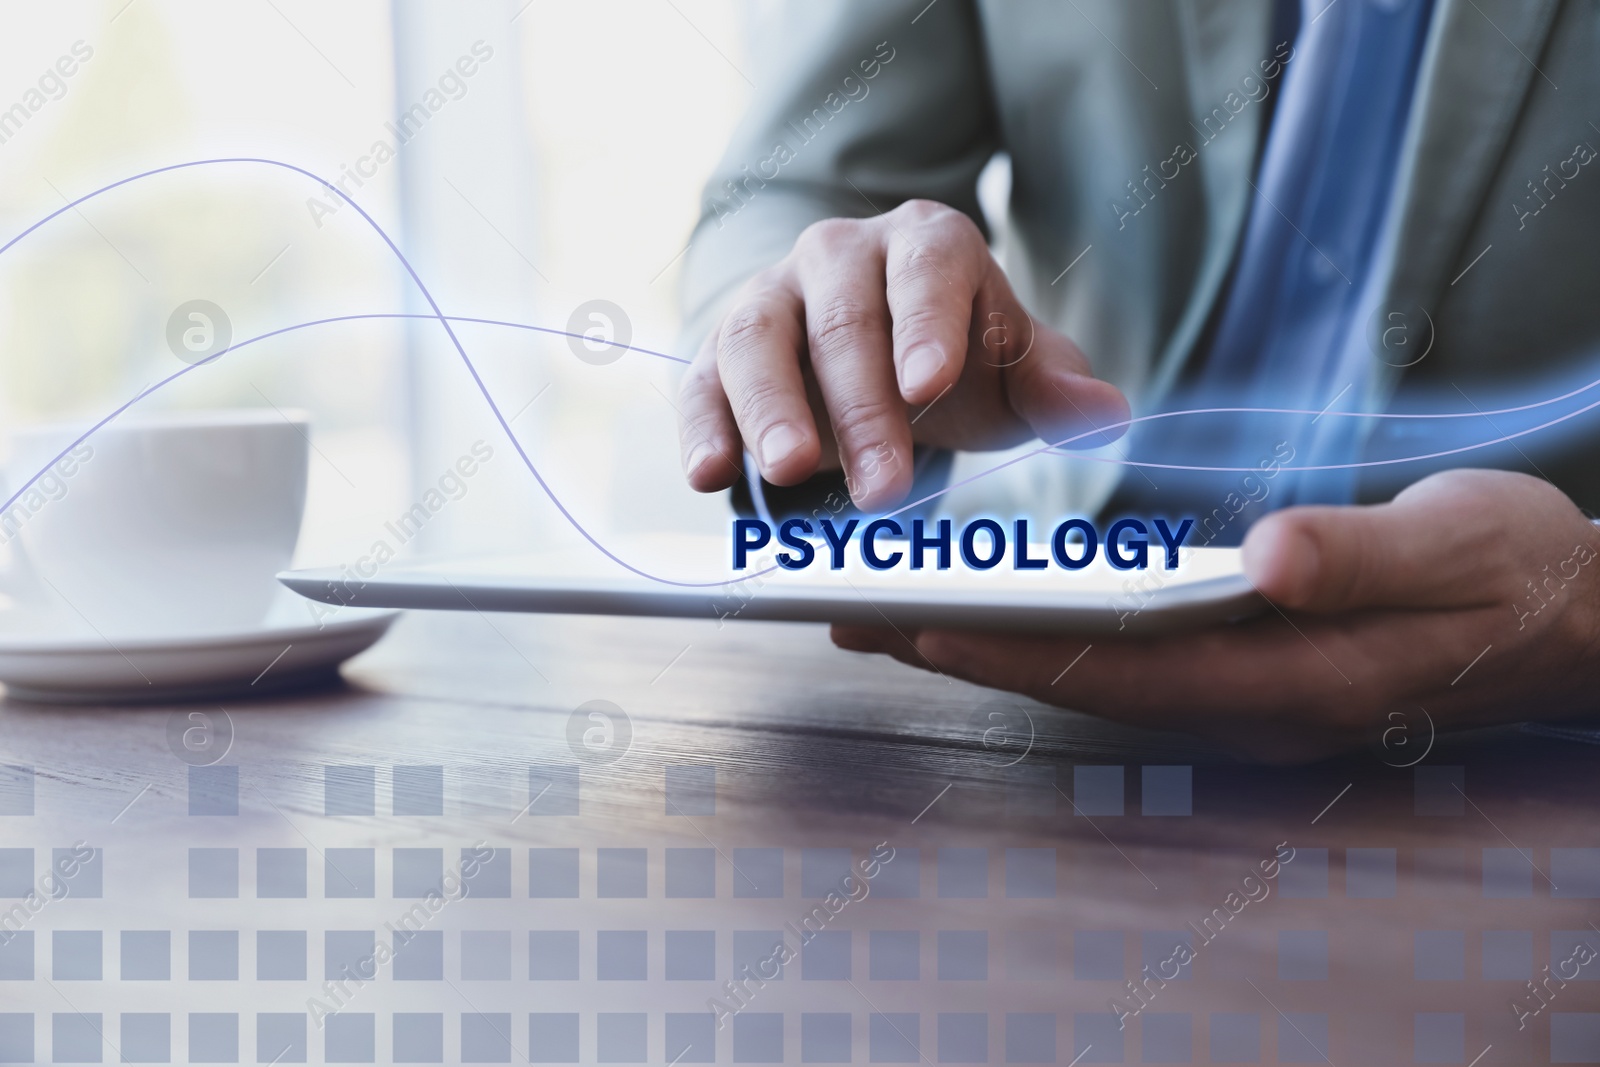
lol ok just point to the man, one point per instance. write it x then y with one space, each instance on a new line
1351 213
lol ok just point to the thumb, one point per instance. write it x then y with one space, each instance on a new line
1433 546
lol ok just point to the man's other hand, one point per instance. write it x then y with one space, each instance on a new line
1474 596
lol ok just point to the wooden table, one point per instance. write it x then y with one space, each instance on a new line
245 904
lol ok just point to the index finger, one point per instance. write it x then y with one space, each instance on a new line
935 262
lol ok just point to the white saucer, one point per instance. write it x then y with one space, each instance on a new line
288 650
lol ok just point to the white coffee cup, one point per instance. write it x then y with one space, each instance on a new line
155 526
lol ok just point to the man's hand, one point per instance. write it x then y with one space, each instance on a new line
1474 595
824 357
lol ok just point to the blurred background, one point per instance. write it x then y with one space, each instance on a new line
529 157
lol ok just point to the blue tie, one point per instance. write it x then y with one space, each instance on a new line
1291 329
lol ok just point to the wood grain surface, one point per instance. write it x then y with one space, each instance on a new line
1029 887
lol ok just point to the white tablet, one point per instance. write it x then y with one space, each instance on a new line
1208 586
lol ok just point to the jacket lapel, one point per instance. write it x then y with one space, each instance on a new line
1223 41
1477 69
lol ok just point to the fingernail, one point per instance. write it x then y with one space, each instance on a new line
855 638
778 444
867 475
697 458
1284 564
1304 567
920 366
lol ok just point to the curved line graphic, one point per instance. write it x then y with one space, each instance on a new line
445 321
438 314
